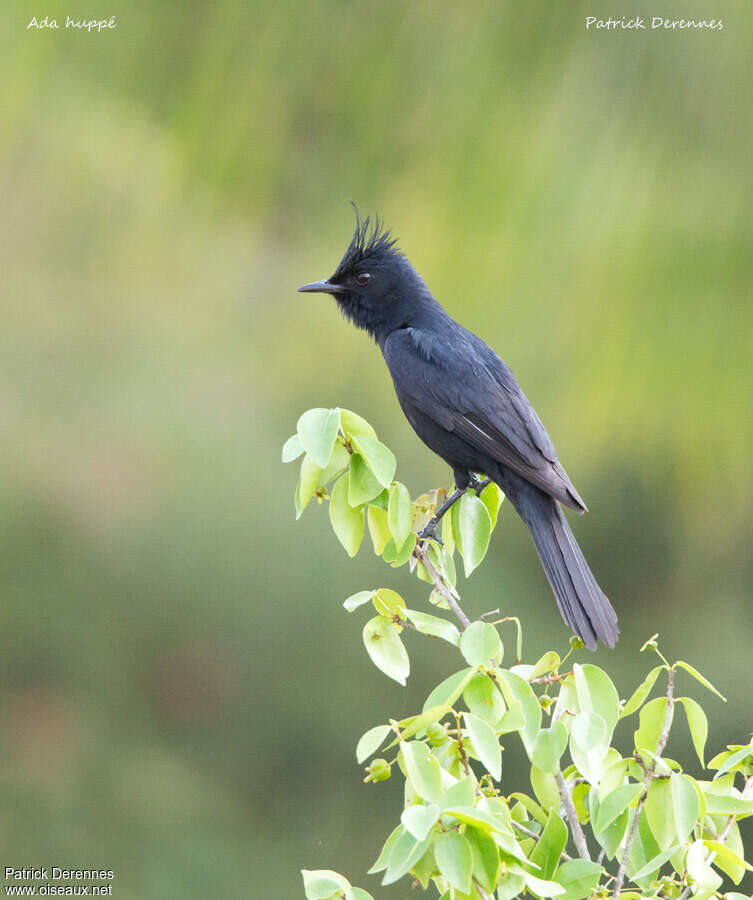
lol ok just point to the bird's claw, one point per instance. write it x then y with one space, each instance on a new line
429 533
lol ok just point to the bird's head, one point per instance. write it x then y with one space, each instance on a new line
374 284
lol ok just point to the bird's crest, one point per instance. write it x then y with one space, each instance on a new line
369 240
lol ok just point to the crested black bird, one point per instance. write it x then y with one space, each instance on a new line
464 403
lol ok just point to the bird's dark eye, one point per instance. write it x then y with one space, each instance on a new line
363 278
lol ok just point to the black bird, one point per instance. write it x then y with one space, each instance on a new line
465 405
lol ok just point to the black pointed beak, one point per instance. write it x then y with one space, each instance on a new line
321 287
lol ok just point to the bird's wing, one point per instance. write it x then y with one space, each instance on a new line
463 386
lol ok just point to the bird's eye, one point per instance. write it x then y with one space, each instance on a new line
363 278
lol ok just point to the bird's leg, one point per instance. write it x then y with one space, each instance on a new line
429 531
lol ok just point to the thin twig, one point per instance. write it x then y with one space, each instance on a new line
650 773
439 583
579 837
482 893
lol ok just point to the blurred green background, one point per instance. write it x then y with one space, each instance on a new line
181 689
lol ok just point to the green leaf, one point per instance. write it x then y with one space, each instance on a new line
355 893
384 854
405 853
371 741
545 788
292 449
402 556
615 803
514 688
418 724
641 692
485 744
543 888
660 813
480 643
483 698
698 677
589 743
310 480
448 691
475 531
492 498
485 856
461 794
379 459
685 805
596 693
321 884
389 603
347 523
697 723
510 885
385 648
434 626
733 759
704 877
352 424
419 820
547 851
729 861
548 747
479 818
356 600
317 431
423 770
399 513
546 663
654 864
379 529
362 485
579 877
726 806
652 719
454 860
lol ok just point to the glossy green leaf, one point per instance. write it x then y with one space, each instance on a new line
384 854
514 688
510 885
389 603
385 648
485 744
404 854
700 678
589 745
548 850
460 794
356 893
454 860
545 664
317 430
450 689
480 643
484 699
423 770
698 725
310 479
685 805
641 692
379 529
545 788
548 747
362 484
356 600
704 877
321 884
475 531
292 449
419 820
655 863
733 760
485 857
615 803
660 813
652 720
434 626
352 424
492 498
371 741
379 458
597 694
578 877
479 818
347 523
543 888
728 861
400 513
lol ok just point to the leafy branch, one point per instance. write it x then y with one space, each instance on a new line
666 832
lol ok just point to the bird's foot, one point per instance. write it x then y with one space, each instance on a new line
478 484
429 533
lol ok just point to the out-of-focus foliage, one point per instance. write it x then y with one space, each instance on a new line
581 200
659 831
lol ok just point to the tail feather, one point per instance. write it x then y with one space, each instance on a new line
582 603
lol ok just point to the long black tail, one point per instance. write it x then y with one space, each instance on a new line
582 603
